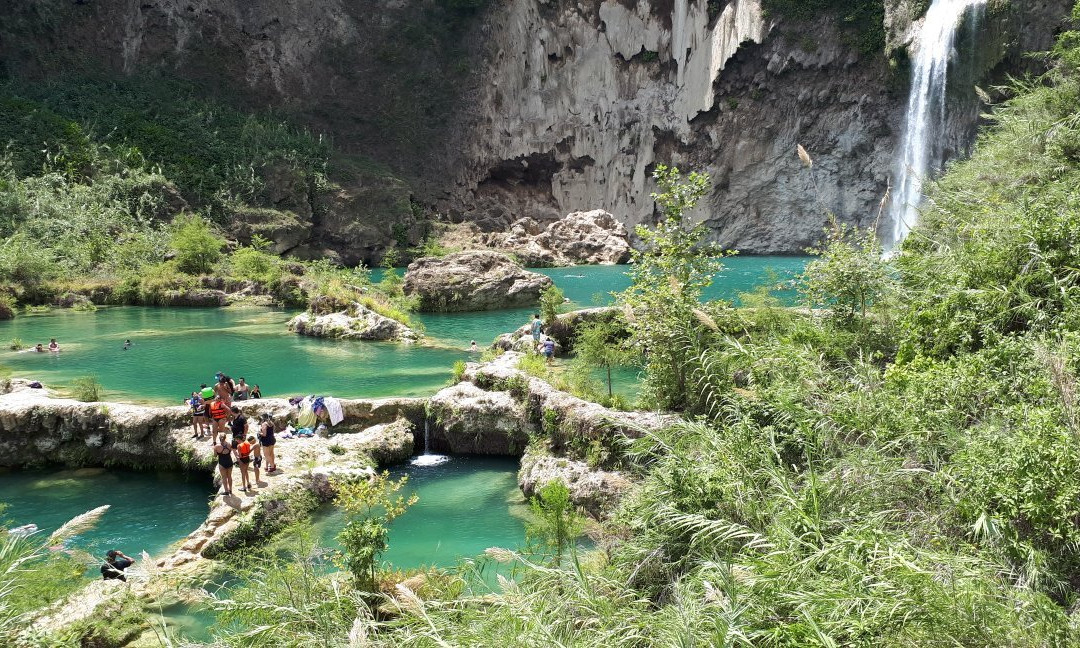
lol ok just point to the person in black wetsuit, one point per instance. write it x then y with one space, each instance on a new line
224 452
115 564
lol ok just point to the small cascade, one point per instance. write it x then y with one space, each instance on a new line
921 149
428 458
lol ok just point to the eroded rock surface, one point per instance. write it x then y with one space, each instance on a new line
473 281
581 238
357 323
470 420
595 490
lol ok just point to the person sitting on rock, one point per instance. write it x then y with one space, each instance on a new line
473 348
115 564
243 390
256 392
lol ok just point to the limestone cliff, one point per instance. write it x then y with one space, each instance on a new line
494 111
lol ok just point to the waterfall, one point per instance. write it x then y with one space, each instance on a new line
428 459
921 149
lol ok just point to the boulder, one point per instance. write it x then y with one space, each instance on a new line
597 491
470 420
357 323
473 281
580 238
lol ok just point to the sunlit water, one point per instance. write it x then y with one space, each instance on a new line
176 349
148 511
465 506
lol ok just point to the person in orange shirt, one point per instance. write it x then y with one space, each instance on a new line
243 451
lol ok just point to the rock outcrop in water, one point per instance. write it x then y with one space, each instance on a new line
498 409
357 323
473 281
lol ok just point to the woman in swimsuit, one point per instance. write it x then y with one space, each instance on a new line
243 453
53 346
225 465
267 441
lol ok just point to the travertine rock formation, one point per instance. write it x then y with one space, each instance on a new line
357 323
473 281
580 238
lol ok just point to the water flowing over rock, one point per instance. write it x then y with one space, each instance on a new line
921 150
581 238
358 323
473 281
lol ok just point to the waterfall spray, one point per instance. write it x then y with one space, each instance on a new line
921 149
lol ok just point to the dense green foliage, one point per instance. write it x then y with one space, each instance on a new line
117 192
863 20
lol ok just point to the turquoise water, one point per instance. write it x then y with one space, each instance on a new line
174 349
148 511
465 506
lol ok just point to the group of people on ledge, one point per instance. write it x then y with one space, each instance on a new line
213 413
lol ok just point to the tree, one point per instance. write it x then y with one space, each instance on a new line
197 247
601 344
669 273
551 301
370 506
555 518
849 274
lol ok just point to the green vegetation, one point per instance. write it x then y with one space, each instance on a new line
86 389
127 192
551 304
556 522
663 303
863 20
370 506
33 576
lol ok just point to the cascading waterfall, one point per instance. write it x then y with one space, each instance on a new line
428 458
921 149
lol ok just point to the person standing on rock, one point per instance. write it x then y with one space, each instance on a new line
224 389
267 441
219 414
535 328
243 455
224 453
239 425
256 457
242 389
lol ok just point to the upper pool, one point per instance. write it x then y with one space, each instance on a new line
176 349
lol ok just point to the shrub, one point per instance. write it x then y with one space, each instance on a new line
86 389
254 264
197 247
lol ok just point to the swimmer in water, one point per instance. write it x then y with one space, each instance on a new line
473 348
53 346
40 348
127 344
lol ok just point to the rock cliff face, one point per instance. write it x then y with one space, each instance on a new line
538 108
